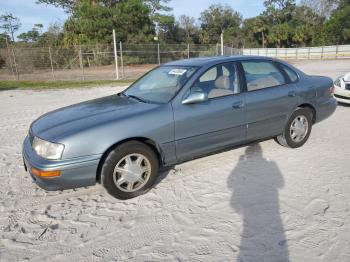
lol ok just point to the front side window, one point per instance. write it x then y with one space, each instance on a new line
220 80
262 74
160 84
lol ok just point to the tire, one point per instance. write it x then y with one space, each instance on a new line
290 138
129 170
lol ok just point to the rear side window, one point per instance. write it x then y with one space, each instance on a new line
262 74
291 74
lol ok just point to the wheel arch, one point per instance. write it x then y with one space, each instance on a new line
312 108
149 142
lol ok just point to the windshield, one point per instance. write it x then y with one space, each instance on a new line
160 84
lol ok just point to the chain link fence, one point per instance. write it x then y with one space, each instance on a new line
95 62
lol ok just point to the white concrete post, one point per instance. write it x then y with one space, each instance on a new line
115 55
121 58
158 53
188 50
52 72
222 43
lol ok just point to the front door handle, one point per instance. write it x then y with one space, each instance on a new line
238 105
292 94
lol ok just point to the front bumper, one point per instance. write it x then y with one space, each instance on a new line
75 172
342 95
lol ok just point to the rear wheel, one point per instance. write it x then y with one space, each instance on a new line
129 170
297 129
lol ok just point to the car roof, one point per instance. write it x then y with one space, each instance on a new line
208 61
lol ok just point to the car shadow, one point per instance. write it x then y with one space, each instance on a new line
163 173
255 182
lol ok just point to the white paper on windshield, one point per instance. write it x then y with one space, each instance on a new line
177 71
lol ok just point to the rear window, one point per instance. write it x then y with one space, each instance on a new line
291 74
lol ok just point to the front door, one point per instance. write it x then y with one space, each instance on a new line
204 127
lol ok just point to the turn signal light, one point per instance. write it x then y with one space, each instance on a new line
45 174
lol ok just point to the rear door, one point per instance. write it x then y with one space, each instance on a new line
214 124
270 98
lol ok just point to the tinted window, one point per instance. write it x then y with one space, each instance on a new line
262 74
292 75
220 80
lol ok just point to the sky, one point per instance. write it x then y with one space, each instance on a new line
31 13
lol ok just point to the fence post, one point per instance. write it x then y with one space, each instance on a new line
53 74
322 53
276 52
115 55
188 50
222 43
10 59
309 53
296 53
81 63
121 58
158 48
336 52
15 64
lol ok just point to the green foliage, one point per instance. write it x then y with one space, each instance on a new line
2 62
8 85
283 23
32 35
4 40
10 24
217 19
337 28
93 23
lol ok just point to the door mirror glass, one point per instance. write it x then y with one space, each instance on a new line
196 97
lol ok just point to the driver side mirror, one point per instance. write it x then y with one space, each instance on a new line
196 97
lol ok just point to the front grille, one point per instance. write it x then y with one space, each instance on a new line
342 97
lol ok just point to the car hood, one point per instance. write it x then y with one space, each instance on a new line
347 77
69 120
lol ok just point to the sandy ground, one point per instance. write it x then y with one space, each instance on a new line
260 203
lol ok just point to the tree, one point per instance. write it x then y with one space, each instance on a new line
323 8
188 24
69 5
10 24
32 35
216 19
279 35
4 40
337 28
93 23
53 36
278 4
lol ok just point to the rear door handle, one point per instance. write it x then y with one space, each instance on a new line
292 94
238 105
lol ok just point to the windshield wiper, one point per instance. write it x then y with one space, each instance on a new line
138 98
121 94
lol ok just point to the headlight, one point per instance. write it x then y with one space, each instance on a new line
47 149
338 82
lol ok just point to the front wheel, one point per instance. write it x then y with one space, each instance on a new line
297 129
129 170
